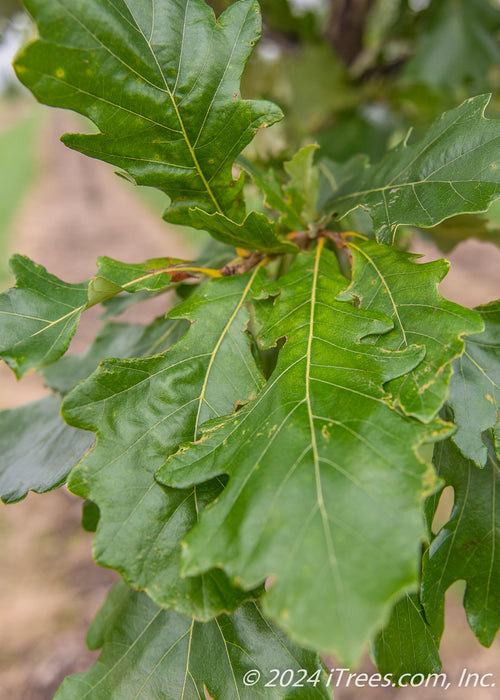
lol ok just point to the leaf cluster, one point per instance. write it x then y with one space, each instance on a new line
256 463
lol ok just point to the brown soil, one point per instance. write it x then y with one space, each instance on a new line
50 587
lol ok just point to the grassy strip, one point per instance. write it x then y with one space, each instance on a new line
18 168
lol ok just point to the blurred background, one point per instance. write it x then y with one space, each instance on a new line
351 75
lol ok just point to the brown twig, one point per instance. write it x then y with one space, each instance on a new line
301 238
346 27
241 266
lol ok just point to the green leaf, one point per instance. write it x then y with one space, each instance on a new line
274 197
457 46
161 81
467 546
141 410
303 187
117 305
297 200
39 316
151 653
407 644
37 449
256 232
335 176
114 276
325 481
453 231
391 282
454 169
114 340
359 131
475 386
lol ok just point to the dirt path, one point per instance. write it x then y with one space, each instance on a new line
50 587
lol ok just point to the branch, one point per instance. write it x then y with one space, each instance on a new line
346 26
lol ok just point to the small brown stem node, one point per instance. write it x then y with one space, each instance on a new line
239 267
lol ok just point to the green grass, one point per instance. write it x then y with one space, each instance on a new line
18 168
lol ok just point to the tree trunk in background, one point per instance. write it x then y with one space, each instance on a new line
346 27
